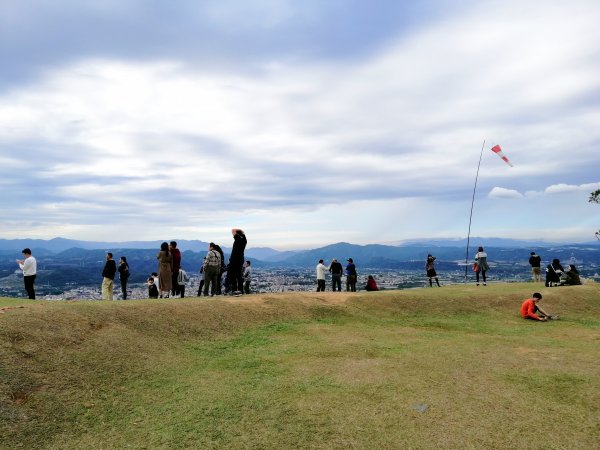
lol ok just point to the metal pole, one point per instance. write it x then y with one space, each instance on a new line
471 215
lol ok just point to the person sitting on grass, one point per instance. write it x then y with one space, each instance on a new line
572 275
371 284
529 308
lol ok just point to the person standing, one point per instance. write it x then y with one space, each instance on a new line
336 270
176 255
482 264
201 281
182 280
123 275
108 274
222 270
211 266
247 277
165 270
430 268
351 276
236 261
321 269
29 267
535 261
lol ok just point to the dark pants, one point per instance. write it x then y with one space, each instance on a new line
200 287
175 288
124 288
320 285
482 274
247 287
336 280
211 276
351 283
236 277
28 281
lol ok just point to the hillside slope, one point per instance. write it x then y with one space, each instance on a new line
303 370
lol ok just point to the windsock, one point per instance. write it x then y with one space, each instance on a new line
498 151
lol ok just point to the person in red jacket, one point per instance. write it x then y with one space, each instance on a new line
529 308
371 284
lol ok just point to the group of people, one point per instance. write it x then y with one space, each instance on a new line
238 271
337 271
555 274
170 279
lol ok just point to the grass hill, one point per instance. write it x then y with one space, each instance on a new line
454 367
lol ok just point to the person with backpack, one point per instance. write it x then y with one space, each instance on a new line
212 266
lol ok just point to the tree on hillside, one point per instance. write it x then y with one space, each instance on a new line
595 198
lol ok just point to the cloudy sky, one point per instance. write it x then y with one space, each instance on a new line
303 122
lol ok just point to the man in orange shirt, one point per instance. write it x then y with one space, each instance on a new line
529 308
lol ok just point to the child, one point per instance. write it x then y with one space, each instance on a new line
152 289
530 307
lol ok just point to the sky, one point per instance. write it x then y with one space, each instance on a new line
303 123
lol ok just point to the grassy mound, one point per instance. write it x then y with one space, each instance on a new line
454 367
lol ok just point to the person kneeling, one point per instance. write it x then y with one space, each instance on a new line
529 308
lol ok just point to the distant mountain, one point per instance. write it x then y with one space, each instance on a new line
374 255
61 244
385 256
488 242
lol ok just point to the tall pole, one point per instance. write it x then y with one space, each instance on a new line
471 215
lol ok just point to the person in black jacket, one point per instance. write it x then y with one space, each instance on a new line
236 261
222 270
535 261
553 273
572 277
123 275
109 271
337 270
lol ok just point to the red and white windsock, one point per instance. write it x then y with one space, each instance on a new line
498 151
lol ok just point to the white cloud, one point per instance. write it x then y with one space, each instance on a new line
562 188
283 145
499 192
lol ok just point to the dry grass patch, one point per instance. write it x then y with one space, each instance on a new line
453 367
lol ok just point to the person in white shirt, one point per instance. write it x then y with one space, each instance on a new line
321 271
29 267
247 277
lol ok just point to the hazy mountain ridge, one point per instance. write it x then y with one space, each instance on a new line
57 245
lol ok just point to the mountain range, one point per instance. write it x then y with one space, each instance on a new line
374 255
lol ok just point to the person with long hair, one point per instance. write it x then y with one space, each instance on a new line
123 275
482 265
572 275
430 269
165 270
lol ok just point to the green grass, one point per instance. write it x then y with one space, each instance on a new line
308 370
